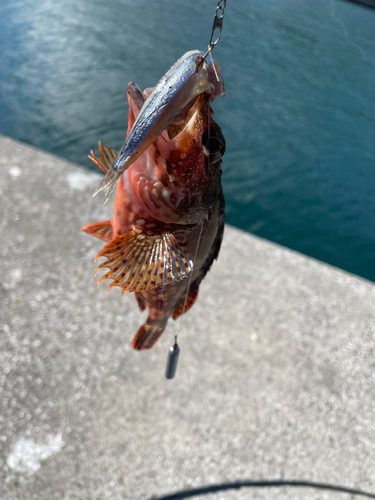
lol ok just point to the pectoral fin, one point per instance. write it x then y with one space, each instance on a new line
140 262
102 230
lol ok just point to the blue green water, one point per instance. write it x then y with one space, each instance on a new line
299 115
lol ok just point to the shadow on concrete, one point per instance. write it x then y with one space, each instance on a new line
205 490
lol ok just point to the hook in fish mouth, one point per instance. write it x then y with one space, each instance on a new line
172 96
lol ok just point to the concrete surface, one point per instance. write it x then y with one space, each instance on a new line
275 382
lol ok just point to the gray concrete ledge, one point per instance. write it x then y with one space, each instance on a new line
275 380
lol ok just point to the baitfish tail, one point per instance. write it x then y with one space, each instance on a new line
148 333
108 183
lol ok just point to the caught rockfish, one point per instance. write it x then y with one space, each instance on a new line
168 217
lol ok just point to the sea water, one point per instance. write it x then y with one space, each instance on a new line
298 117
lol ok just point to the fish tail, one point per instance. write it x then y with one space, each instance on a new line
148 334
108 183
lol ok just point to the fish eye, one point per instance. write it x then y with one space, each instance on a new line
213 144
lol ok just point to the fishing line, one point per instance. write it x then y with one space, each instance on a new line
217 27
174 350
207 145
199 237
190 277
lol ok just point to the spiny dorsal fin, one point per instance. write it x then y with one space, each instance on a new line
107 157
140 262
102 230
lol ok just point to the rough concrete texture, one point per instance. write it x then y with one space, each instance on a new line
275 380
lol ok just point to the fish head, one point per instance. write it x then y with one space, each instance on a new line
196 144
191 76
179 173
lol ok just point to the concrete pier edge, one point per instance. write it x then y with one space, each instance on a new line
275 383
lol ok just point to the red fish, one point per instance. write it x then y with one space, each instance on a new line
168 217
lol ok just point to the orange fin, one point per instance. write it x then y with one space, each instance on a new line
107 157
102 230
182 308
148 334
140 262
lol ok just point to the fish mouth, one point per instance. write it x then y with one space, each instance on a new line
137 99
197 127
213 89
167 107
217 90
183 118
